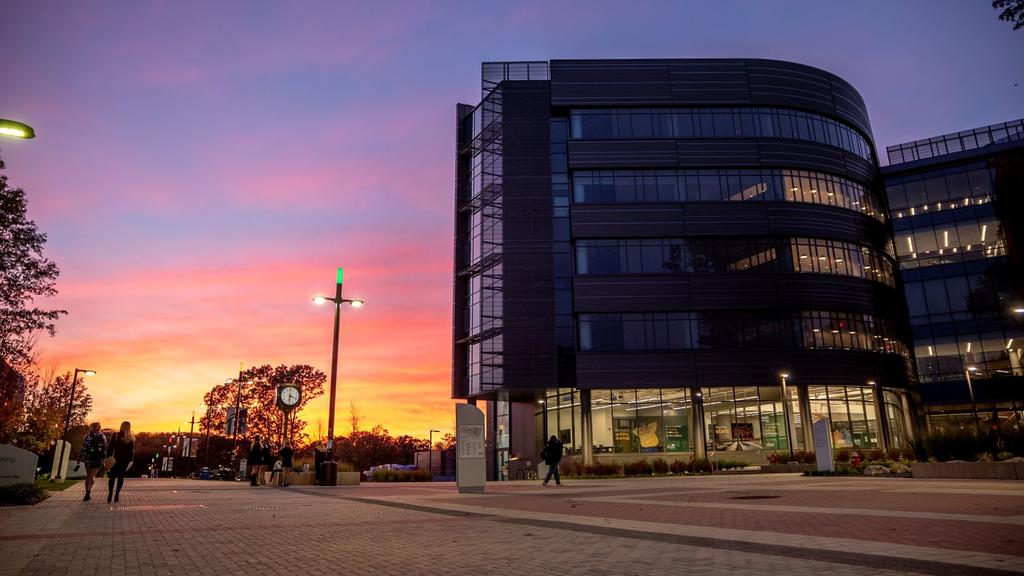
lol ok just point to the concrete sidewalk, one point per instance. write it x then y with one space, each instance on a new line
768 524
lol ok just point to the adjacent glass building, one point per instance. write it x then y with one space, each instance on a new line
670 258
956 203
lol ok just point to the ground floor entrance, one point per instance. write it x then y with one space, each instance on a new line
746 422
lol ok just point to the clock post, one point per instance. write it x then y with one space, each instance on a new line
288 398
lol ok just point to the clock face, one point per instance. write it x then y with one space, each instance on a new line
290 395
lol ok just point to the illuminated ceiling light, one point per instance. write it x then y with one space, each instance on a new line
1009 344
835 331
972 368
931 351
968 346
1019 310
910 244
814 190
803 256
821 257
945 238
839 259
816 330
984 229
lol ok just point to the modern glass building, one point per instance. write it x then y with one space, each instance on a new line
673 258
956 203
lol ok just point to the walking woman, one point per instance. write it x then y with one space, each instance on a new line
256 461
286 462
122 449
94 450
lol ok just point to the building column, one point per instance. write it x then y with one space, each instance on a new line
788 418
587 423
700 450
881 418
806 419
909 417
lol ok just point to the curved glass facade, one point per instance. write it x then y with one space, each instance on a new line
657 123
723 185
623 332
751 255
736 418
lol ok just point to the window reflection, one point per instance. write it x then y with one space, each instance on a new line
725 185
614 332
660 123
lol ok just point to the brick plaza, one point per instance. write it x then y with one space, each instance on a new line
754 524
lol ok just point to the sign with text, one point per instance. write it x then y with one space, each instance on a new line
17 466
823 445
470 464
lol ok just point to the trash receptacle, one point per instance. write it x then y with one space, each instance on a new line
204 474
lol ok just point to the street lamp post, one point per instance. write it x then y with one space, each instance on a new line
206 452
236 420
430 455
67 422
329 469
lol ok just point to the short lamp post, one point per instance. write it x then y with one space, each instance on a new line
67 422
430 455
970 392
785 418
329 469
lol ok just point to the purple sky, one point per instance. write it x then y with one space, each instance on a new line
201 168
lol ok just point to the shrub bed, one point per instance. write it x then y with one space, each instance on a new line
401 476
21 494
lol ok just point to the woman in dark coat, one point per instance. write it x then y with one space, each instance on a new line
286 455
552 455
256 461
267 459
122 448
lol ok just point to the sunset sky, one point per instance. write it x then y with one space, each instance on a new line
201 169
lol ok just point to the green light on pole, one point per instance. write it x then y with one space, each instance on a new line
341 275
16 129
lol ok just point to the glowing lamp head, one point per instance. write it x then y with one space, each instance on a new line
1018 310
16 129
972 368
318 300
357 303
784 374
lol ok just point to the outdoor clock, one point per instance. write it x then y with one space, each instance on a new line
288 396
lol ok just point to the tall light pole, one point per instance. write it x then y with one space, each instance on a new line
236 420
67 422
16 129
430 455
330 467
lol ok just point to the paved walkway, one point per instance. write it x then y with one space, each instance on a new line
766 524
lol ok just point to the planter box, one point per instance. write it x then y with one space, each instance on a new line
785 468
969 470
348 478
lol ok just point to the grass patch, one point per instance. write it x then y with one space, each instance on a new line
56 486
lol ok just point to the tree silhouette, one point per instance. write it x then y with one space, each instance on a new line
25 275
259 395
1012 11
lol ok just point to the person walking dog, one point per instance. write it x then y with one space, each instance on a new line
122 450
552 455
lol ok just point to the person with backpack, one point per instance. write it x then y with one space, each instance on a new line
92 454
552 456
